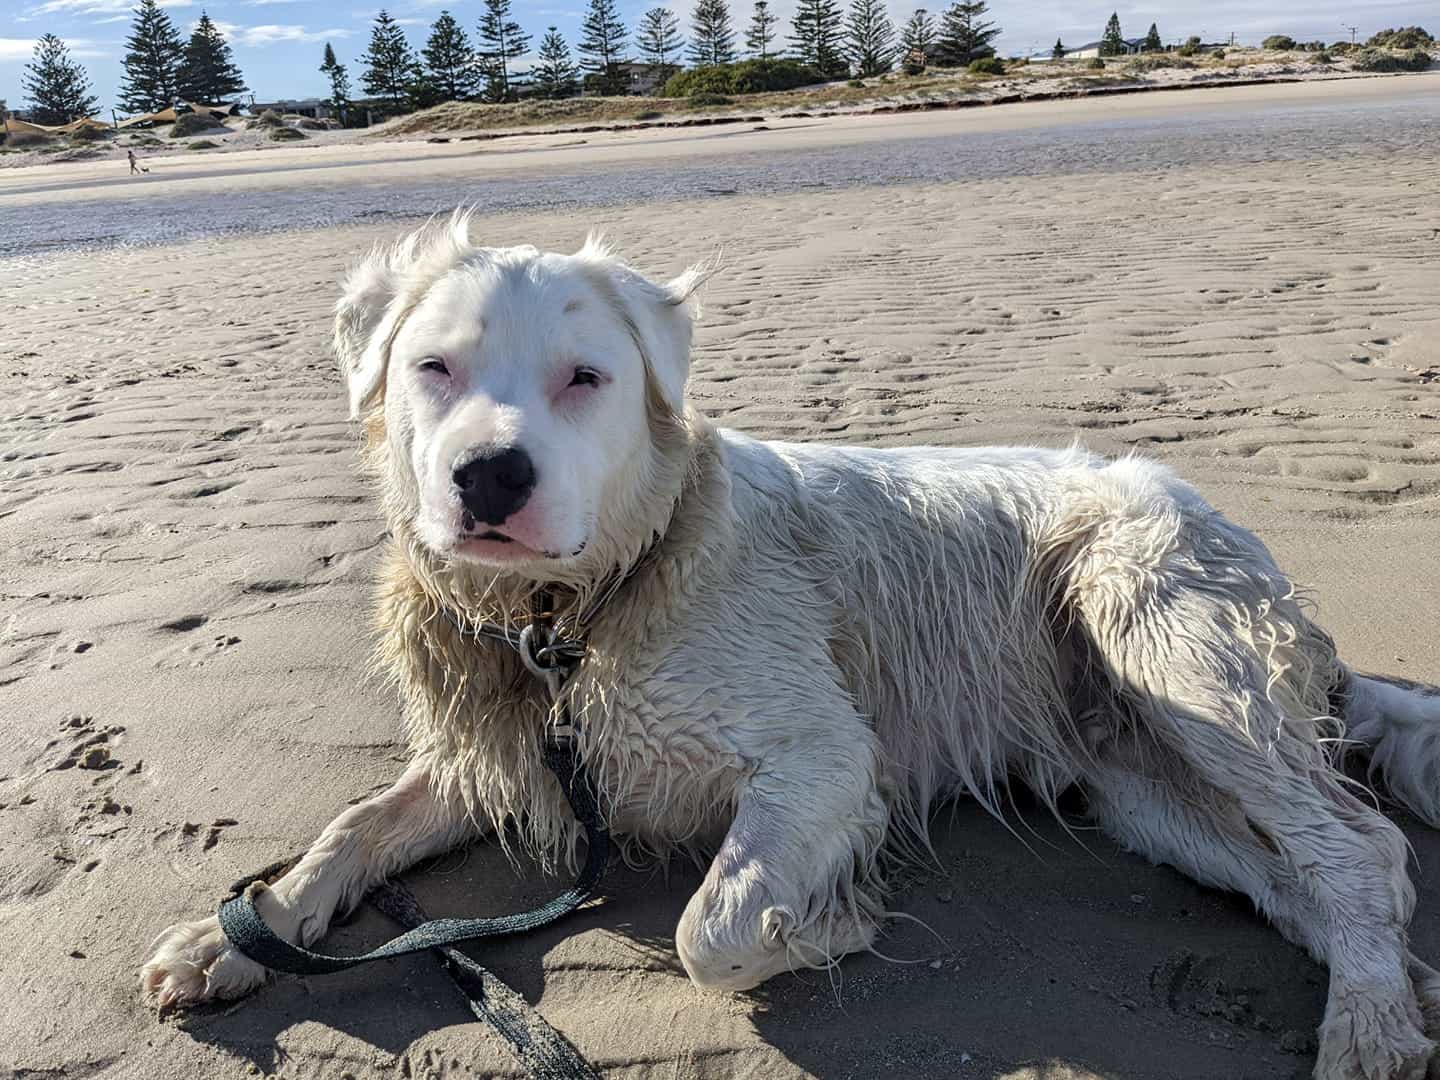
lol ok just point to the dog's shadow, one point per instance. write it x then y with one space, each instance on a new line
1056 957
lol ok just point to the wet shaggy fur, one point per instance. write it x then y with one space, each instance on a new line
818 644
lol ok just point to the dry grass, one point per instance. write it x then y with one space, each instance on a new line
935 86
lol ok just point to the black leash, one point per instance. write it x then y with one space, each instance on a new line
543 1051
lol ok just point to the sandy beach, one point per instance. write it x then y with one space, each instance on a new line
1240 282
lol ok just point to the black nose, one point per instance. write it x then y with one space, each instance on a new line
495 485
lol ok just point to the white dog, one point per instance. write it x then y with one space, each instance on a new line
819 644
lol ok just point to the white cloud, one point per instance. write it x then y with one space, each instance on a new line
13 50
271 34
267 3
95 7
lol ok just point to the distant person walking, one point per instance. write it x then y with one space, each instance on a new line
135 166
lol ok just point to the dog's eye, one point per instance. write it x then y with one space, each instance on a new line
434 365
585 376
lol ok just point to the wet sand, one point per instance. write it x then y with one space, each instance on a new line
190 546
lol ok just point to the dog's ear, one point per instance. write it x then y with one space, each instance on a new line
369 291
661 317
377 294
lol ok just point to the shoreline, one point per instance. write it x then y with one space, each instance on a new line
99 206
742 112
887 109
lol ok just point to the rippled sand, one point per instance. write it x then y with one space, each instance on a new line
1248 292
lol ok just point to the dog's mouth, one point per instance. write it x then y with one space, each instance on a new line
489 544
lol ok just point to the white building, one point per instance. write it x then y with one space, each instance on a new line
1086 52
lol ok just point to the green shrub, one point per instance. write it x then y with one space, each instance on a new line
1278 41
269 118
25 140
1369 59
649 114
758 76
1407 37
203 144
286 134
88 134
855 84
191 123
1340 48
1156 61
989 65
707 100
1096 63
1190 48
700 80
746 77
1323 57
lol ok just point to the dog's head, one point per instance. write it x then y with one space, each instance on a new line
526 396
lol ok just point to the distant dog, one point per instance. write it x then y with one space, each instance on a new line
819 643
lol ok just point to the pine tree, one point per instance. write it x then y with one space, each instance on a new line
712 40
917 38
869 38
450 66
658 37
555 75
603 46
56 87
761 31
817 28
1113 43
501 41
208 75
391 69
339 80
152 61
965 35
1152 39
1058 52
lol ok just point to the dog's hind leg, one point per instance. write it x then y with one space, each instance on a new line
193 962
1152 805
1398 723
1197 639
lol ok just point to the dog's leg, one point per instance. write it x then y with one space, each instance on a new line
1169 817
794 883
1398 722
1336 878
193 962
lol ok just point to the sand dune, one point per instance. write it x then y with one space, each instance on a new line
183 608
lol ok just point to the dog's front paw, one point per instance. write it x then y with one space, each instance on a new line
193 962
1370 1038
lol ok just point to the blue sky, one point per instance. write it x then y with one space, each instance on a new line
278 43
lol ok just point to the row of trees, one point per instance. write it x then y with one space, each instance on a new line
160 69
834 43
449 68
862 41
